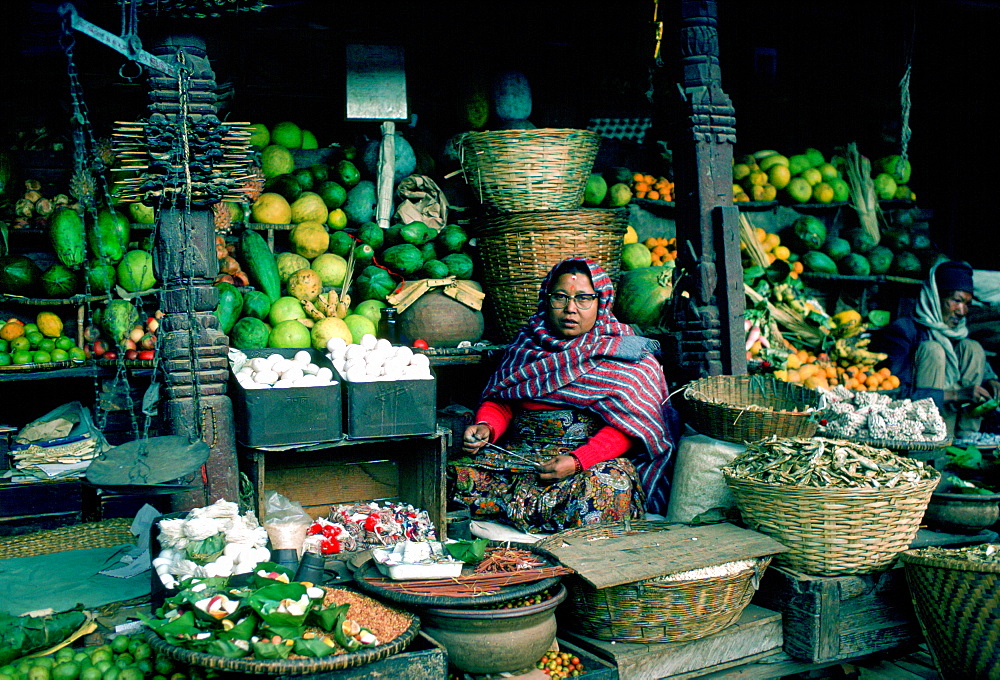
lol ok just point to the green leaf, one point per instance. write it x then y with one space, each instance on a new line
314 647
265 649
969 457
468 551
227 648
327 618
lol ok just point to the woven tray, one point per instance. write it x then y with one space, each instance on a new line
287 666
103 534
958 607
718 407
902 444
520 170
46 366
518 250
833 531
650 610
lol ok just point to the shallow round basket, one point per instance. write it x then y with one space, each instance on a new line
520 170
103 534
745 408
518 250
958 606
831 531
287 666
902 444
653 610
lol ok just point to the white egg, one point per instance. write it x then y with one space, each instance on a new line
292 373
260 364
274 357
324 376
383 344
246 370
368 341
393 374
334 344
339 364
257 386
284 384
265 377
420 360
234 550
354 352
404 353
307 380
376 358
302 357
351 363
310 369
224 561
356 373
393 365
244 378
282 365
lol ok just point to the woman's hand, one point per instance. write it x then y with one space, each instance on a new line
993 386
476 436
556 468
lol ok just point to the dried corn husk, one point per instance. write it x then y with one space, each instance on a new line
792 320
755 251
863 199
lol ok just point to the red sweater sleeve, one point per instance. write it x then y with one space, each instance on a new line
495 414
607 443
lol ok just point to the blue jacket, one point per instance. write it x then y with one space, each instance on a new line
900 340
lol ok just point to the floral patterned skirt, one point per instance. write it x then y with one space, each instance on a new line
497 487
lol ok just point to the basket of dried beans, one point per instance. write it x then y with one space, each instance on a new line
839 507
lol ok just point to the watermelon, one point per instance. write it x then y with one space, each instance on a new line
249 333
641 295
19 275
59 281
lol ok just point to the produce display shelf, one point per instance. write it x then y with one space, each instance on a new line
872 278
84 370
74 300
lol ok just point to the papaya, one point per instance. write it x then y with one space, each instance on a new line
68 236
19 275
815 261
230 305
260 264
452 238
256 304
880 259
837 248
374 283
459 265
108 236
404 259
906 263
861 241
372 234
100 277
118 319
641 294
341 243
249 333
810 231
416 233
512 96
855 264
428 251
434 269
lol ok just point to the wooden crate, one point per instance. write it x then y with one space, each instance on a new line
403 469
827 618
594 667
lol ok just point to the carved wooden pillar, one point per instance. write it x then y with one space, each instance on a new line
193 349
708 298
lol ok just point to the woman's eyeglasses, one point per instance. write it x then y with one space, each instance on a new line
583 300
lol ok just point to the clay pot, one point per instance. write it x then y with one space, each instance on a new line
959 513
441 321
494 640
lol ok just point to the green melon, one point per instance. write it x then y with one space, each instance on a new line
59 281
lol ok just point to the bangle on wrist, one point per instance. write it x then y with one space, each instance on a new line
579 465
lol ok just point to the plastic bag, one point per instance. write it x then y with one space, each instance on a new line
286 522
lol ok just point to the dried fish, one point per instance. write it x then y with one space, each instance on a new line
823 462
984 552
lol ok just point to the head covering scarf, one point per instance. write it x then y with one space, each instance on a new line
928 314
609 370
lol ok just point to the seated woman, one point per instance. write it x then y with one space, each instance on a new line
931 352
574 393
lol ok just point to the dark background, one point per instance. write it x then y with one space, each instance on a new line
799 74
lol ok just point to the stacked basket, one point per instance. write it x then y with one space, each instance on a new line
531 185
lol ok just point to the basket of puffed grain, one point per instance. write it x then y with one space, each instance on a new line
838 506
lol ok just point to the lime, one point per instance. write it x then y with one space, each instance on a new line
119 644
59 355
104 665
130 673
6 359
66 654
46 661
4 345
67 670
142 650
112 673
64 342
91 673
337 219
47 344
39 672
31 328
163 666
347 173
124 660
41 357
144 666
35 337
21 357
334 195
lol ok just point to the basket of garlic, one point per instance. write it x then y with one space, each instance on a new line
284 397
389 390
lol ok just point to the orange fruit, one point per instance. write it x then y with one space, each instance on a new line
11 330
651 242
638 177
653 195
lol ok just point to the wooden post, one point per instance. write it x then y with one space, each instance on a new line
707 316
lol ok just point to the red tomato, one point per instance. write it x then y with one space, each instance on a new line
146 355
110 355
420 344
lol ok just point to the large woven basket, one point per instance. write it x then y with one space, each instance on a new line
958 606
519 170
745 408
518 250
831 531
103 534
653 610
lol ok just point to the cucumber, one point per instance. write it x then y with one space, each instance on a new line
230 305
260 264
68 237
